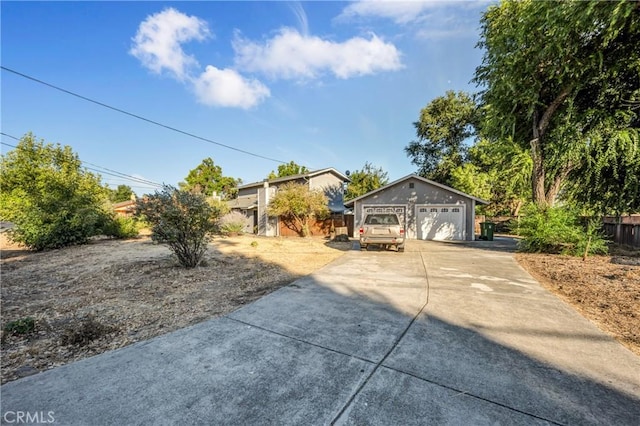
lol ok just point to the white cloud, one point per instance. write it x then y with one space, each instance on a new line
158 42
227 88
291 55
401 12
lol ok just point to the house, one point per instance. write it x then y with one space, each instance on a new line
253 199
125 208
429 210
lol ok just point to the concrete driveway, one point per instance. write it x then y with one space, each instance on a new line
441 334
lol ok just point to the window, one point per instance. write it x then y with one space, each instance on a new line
434 210
423 210
455 210
411 185
445 210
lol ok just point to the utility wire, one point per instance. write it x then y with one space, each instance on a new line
140 117
109 172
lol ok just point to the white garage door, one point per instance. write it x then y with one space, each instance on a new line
441 222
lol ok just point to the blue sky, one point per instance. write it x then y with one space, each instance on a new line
325 84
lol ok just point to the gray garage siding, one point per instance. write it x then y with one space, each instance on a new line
423 192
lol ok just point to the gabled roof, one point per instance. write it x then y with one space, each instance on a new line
299 176
350 203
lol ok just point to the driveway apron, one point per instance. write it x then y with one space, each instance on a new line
440 334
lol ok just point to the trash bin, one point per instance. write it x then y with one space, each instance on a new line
486 230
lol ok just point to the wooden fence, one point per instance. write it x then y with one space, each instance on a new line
317 227
627 234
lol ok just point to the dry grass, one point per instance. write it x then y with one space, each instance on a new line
108 294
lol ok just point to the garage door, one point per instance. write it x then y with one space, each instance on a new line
441 222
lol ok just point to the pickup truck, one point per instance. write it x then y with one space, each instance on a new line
383 229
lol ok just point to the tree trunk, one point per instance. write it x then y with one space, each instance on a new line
543 196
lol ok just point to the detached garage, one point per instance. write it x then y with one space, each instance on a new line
429 210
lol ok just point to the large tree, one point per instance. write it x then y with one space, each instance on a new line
288 169
365 180
121 193
51 199
443 130
207 178
552 73
299 204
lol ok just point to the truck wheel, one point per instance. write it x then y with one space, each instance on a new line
363 247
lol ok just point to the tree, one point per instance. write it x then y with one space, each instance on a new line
299 204
288 169
365 180
181 219
121 193
52 201
207 178
499 172
445 124
552 72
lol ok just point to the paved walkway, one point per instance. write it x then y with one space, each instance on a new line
440 334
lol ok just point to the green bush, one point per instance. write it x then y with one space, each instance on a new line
51 200
558 230
121 227
180 219
232 223
20 326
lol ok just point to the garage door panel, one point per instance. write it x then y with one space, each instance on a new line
439 222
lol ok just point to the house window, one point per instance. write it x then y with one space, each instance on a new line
455 210
411 185
434 210
423 210
445 210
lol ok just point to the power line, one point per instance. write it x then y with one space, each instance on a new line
140 117
105 170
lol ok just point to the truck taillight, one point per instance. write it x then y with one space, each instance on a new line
361 231
402 232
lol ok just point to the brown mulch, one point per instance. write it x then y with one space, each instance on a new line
85 300
604 289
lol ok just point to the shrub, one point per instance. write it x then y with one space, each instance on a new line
232 223
84 330
121 227
180 219
52 201
558 230
20 326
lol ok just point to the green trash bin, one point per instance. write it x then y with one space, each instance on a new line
486 230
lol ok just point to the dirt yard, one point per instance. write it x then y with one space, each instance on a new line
604 289
88 299
108 294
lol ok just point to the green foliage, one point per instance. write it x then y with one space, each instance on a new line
551 72
558 230
608 178
121 227
499 172
207 178
51 200
288 169
365 180
444 126
20 326
180 219
300 204
232 223
219 207
120 194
